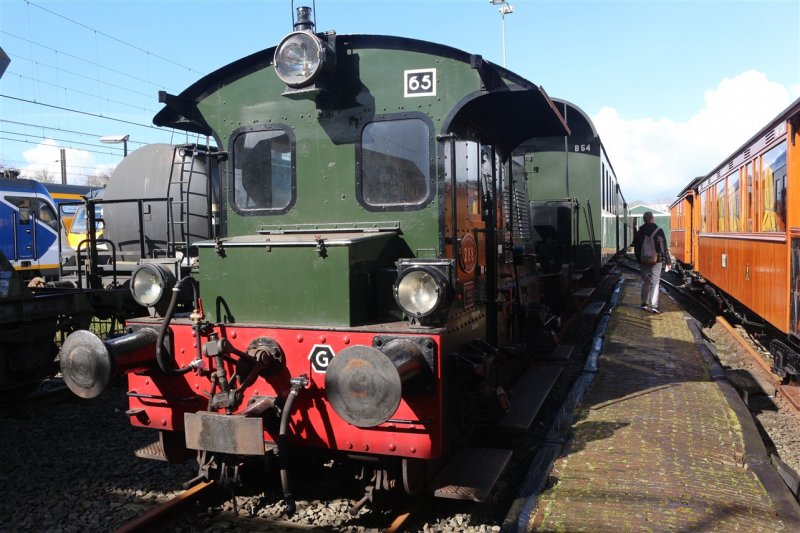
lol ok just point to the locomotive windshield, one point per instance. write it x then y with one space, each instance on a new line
395 163
262 170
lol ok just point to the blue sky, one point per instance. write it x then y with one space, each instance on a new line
674 86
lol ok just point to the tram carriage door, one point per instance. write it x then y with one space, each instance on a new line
794 319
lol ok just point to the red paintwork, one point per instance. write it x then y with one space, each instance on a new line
314 423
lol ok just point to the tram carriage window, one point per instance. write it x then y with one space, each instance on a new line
749 206
773 175
703 207
721 214
262 170
733 201
395 163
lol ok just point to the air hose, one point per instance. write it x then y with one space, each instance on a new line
161 357
297 383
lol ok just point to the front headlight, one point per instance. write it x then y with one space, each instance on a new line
299 58
422 289
150 283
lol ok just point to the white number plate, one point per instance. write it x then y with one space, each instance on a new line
420 82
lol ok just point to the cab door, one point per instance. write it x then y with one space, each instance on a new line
24 229
467 239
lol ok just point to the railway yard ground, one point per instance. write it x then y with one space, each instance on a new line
679 430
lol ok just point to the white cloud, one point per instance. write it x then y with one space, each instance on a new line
655 158
47 156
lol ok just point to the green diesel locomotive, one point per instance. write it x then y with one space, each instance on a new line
371 288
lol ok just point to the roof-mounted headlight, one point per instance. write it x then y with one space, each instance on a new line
299 58
422 289
151 284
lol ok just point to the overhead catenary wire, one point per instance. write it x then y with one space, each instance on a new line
104 34
96 115
43 127
83 93
66 147
44 137
55 84
93 63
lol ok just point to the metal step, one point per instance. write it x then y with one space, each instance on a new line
471 474
562 352
170 447
154 450
528 395
594 308
581 294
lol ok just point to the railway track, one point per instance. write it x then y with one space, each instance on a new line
178 512
157 518
758 353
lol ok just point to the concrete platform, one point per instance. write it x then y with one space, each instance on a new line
658 444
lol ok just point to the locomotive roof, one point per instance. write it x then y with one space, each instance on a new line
577 119
23 185
510 114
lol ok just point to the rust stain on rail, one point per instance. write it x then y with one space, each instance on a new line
153 516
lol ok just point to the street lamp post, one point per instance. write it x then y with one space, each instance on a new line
63 166
505 9
116 139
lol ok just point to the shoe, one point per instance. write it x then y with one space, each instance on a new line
654 310
643 306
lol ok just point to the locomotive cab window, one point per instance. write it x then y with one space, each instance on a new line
24 207
263 171
46 215
395 161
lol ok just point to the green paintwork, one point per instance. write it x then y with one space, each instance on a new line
577 175
303 288
325 276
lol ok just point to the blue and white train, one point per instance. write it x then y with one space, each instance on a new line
29 228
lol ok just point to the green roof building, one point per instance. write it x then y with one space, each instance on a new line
660 214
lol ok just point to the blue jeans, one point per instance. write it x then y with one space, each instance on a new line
651 276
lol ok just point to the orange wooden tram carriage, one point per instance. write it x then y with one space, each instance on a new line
738 227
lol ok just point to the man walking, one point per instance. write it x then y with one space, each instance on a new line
650 247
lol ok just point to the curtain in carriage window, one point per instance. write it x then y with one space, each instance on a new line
773 175
733 202
721 206
703 207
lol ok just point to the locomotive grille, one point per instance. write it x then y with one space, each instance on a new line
517 215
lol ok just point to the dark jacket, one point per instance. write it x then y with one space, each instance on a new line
659 238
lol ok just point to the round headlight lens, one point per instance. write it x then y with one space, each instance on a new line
148 284
298 59
419 292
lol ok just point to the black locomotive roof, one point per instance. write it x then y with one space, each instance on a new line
510 114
